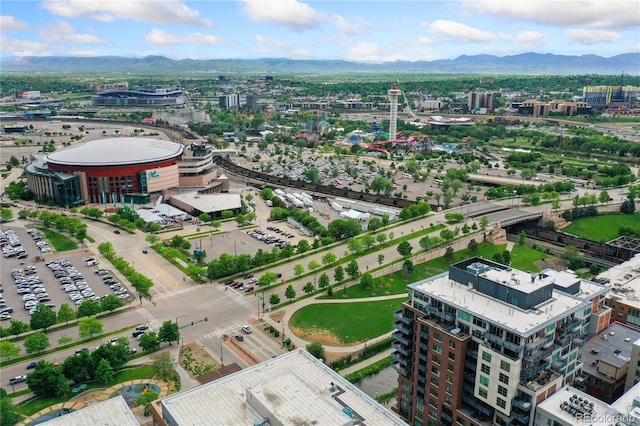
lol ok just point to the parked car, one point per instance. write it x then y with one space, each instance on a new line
239 337
18 379
246 329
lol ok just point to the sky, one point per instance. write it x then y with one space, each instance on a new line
354 30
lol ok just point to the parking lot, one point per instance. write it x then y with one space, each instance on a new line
51 278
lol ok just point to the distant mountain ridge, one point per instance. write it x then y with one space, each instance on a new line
525 63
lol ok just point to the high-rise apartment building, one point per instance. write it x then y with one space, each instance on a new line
484 343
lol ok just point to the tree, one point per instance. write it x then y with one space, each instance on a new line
484 222
380 184
448 255
604 197
355 245
380 259
104 372
89 327
447 235
628 206
407 267
366 280
313 265
353 270
65 340
267 279
338 274
555 204
36 342
329 258
374 224
163 365
274 299
66 313
89 308
308 287
323 281
298 270
48 380
506 257
473 247
117 354
18 327
405 249
43 318
303 246
10 415
381 238
169 332
574 257
290 292
146 399
79 368
8 349
368 241
522 238
317 350
110 303
149 342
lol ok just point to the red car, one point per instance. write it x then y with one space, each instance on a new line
248 289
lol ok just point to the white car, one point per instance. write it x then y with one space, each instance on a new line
246 329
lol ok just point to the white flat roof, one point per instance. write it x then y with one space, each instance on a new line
209 202
111 412
294 388
497 311
115 152
624 280
551 406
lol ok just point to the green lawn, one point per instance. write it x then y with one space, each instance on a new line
348 322
59 241
35 405
602 228
524 258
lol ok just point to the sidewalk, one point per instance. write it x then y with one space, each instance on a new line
364 363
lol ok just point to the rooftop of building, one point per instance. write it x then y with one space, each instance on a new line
612 345
629 404
209 202
294 388
116 152
493 308
559 405
110 412
624 280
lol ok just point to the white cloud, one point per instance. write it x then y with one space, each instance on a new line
590 37
65 32
352 26
364 51
157 36
289 13
616 14
9 23
159 12
267 42
82 52
526 38
22 47
426 40
453 30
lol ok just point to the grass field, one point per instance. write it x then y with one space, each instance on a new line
602 228
33 406
348 322
59 241
524 258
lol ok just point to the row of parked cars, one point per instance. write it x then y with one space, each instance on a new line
114 285
71 281
269 239
42 244
30 287
11 245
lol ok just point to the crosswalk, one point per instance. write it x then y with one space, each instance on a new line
229 329
173 293
240 298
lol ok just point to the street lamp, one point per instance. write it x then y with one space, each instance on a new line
221 357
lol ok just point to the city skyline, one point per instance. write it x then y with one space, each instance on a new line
363 31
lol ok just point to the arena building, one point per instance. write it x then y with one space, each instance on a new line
107 171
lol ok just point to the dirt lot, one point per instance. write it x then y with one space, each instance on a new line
195 359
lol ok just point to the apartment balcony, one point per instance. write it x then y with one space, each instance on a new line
422 380
401 338
398 315
544 343
423 357
471 378
472 354
520 404
569 326
402 327
470 400
470 365
423 346
446 416
401 348
559 364
522 418
398 357
404 372
424 335
422 368
536 357
447 318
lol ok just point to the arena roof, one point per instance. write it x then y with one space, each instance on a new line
116 152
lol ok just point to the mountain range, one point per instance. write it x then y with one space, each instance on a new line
526 63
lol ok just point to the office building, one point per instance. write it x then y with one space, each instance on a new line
484 343
624 279
149 96
605 96
292 389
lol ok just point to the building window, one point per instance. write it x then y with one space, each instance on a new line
452 344
483 392
447 400
449 390
486 356
437 348
419 415
435 371
435 359
504 365
433 403
450 367
502 390
501 402
485 369
433 414
437 336
420 404
484 381
504 378
464 316
550 328
461 421
449 378
434 382
452 356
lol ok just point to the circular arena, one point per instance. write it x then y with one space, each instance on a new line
106 171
